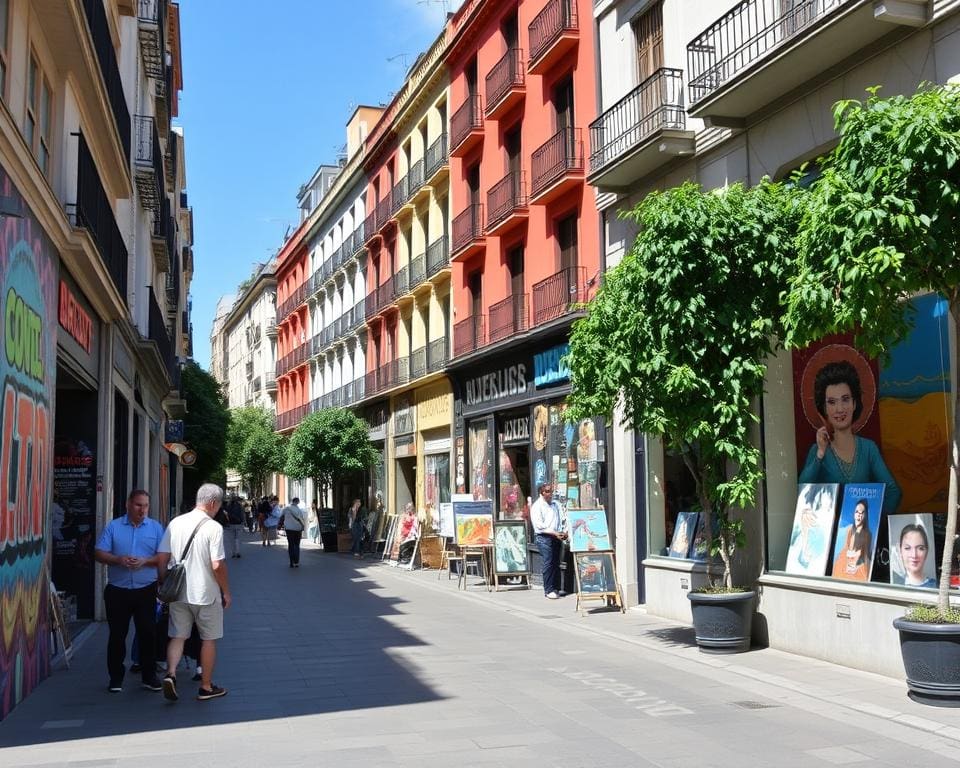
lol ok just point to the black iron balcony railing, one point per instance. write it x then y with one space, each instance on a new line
337 258
371 383
93 212
559 294
437 354
468 336
562 153
149 163
357 315
508 317
291 418
418 270
359 389
163 100
438 255
415 178
436 156
385 293
359 237
467 118
370 304
418 362
401 281
384 209
370 228
506 74
158 333
151 24
656 104
96 14
399 195
745 34
467 226
506 197
557 17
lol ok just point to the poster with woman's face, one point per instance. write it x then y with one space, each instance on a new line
857 529
912 561
813 521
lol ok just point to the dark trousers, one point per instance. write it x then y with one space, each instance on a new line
550 552
293 546
122 605
356 533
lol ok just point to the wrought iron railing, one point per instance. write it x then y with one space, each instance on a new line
359 237
436 156
745 34
415 178
506 197
656 104
371 383
508 317
399 195
438 255
158 334
401 281
418 270
557 17
506 74
418 362
149 163
467 118
561 154
370 304
437 354
384 209
559 294
96 14
370 228
385 293
468 336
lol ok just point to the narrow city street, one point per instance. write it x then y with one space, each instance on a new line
348 663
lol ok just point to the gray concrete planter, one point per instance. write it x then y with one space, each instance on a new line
931 658
722 622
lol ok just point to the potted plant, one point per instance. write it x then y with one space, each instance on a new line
675 342
882 226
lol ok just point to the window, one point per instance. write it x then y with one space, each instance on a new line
648 32
38 118
567 240
4 17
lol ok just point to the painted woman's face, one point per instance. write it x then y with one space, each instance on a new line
839 405
913 553
859 514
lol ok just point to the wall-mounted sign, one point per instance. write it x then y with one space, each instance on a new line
434 406
515 431
548 368
174 431
79 333
507 382
73 319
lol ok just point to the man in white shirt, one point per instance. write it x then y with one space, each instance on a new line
207 590
545 517
293 524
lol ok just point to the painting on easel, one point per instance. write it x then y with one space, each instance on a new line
597 579
510 548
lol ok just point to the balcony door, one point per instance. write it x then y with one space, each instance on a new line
515 263
648 31
563 108
511 143
567 241
473 189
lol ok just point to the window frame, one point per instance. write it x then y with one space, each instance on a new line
39 141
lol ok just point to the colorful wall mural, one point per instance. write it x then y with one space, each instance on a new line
28 348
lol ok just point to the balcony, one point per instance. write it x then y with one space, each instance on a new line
507 203
148 164
163 98
158 334
385 294
399 195
355 316
468 336
384 210
416 179
270 381
437 354
466 126
559 294
761 50
370 304
436 161
291 418
371 383
271 330
557 166
641 132
249 369
96 14
401 281
294 300
162 235
418 271
554 32
505 87
370 228
359 240
438 256
151 22
508 317
94 213
418 363
467 232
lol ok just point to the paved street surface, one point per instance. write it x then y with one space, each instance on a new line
347 663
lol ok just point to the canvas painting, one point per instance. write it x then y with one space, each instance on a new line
813 524
588 530
446 519
912 559
857 531
510 547
473 523
684 531
595 572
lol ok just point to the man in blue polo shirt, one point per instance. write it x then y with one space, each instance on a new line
128 547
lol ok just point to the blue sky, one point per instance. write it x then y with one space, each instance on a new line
267 90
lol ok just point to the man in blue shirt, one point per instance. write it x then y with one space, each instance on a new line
128 547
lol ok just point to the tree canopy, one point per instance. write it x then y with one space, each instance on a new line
254 449
205 428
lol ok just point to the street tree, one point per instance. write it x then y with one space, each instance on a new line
678 334
883 225
254 449
205 428
328 444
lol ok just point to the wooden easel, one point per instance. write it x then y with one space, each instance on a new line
59 623
484 553
448 556
610 598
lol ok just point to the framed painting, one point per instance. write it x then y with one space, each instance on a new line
510 548
857 529
446 519
588 530
596 573
473 523
912 560
684 533
813 523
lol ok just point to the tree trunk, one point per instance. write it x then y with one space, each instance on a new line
946 567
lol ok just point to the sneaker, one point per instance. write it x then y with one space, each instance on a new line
170 688
152 684
115 686
134 668
562 593
552 596
197 677
214 692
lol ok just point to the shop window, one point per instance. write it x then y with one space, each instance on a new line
867 502
436 480
569 455
513 433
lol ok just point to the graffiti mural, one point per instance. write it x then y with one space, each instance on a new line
28 285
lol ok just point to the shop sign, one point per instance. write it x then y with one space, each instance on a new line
508 382
548 367
403 447
404 416
460 459
434 406
74 320
80 328
174 431
515 431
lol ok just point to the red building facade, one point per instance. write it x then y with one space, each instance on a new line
293 331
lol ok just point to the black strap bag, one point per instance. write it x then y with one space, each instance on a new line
175 580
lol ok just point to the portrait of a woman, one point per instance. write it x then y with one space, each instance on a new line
913 548
852 561
839 455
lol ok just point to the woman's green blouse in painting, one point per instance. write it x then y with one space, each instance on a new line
867 467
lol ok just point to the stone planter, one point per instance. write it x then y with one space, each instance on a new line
931 659
722 622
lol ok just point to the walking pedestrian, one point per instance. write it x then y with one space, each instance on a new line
128 546
355 519
545 516
271 522
293 524
235 526
263 512
207 590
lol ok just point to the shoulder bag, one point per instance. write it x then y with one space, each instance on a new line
171 588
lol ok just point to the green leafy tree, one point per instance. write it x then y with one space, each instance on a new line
330 443
254 449
205 428
678 333
883 225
